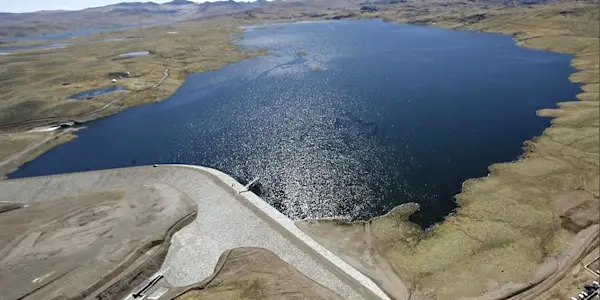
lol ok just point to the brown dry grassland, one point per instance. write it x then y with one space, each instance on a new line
512 229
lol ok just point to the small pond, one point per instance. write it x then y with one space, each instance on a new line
97 92
137 53
32 47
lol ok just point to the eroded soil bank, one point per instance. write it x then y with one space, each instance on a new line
92 243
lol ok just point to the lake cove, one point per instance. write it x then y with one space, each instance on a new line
341 119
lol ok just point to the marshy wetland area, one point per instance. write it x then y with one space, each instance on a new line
524 231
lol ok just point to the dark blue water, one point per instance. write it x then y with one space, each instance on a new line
345 118
97 92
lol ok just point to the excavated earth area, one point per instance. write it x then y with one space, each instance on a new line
76 247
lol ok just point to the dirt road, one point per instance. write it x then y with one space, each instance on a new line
84 115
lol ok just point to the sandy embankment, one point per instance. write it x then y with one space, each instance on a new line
99 242
254 273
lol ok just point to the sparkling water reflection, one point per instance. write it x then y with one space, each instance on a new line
342 119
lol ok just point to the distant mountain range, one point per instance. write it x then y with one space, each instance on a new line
127 13
132 13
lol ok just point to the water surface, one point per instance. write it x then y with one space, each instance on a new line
136 53
344 119
97 92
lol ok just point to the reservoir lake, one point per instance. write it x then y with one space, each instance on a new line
341 118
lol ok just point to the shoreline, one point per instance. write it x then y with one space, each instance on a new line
149 84
138 83
253 220
509 214
105 112
507 219
113 107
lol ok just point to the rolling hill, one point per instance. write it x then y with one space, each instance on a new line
132 13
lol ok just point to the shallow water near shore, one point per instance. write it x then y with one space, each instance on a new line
97 92
342 119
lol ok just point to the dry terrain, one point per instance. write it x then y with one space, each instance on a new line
516 233
35 85
573 281
116 15
253 273
19 148
75 247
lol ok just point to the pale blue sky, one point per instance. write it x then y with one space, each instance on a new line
35 5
